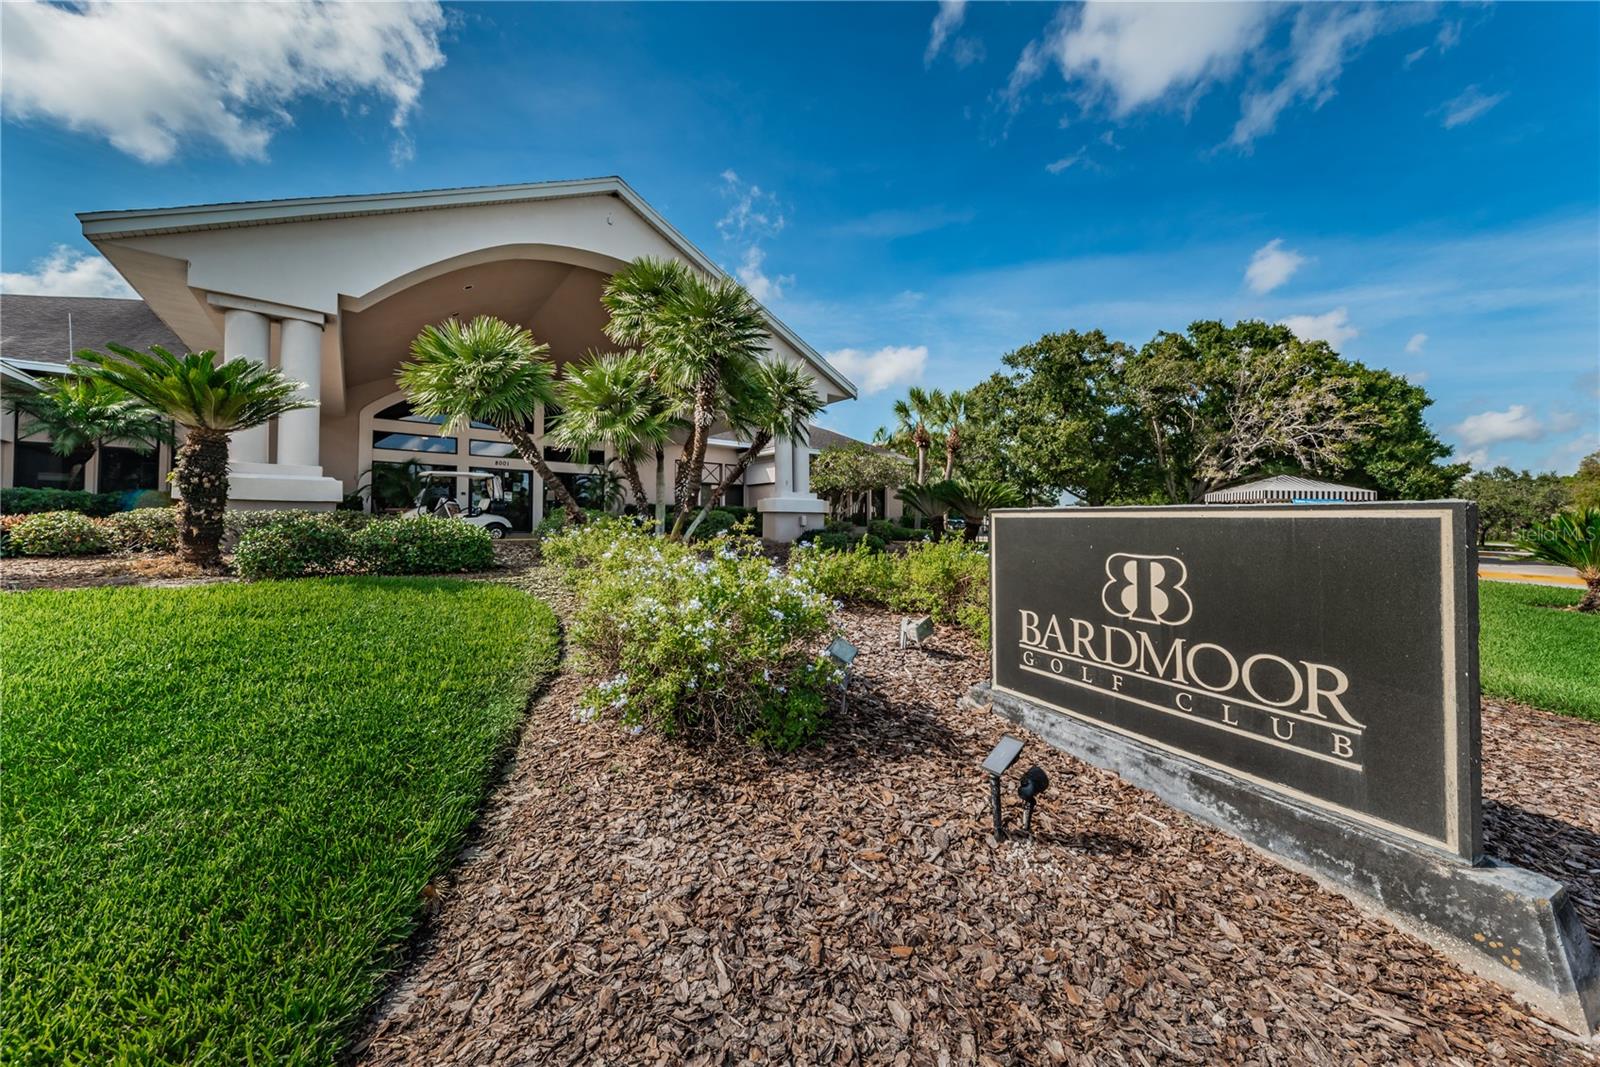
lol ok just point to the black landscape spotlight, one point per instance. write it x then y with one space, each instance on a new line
1033 784
1000 759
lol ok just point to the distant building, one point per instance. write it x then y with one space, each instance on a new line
1289 489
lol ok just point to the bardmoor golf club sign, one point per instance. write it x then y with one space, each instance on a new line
1322 653
1304 677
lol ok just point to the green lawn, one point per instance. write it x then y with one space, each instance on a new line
221 803
1531 651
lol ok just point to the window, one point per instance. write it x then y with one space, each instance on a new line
597 456
122 469
412 442
401 412
491 448
734 497
39 468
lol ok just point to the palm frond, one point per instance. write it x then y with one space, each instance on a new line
486 370
195 390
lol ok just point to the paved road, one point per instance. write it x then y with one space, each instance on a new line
1530 573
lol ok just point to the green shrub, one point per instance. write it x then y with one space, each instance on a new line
696 646
891 531
57 533
947 579
24 501
422 545
293 546
715 522
238 522
143 530
6 523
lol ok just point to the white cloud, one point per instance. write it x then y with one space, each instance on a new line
151 78
1515 423
753 216
1416 377
1322 40
1470 104
1271 266
761 285
888 366
1414 345
1333 327
946 22
1125 57
968 50
67 272
1066 162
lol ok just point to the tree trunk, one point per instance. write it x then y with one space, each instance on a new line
1591 599
661 489
731 475
630 470
528 449
200 472
922 464
695 453
952 443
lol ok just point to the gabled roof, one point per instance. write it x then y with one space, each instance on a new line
1284 488
112 225
49 329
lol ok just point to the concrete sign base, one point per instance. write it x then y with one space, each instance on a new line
1509 925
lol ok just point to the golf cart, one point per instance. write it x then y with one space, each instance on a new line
437 499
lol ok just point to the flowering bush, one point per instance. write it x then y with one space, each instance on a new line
706 643
56 533
422 545
947 579
143 530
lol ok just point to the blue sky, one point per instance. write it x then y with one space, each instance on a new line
918 188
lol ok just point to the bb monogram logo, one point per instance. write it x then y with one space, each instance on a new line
1147 589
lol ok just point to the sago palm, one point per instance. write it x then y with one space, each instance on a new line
211 401
82 412
612 400
1569 539
973 500
778 401
487 370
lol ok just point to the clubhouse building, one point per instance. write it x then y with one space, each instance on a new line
332 290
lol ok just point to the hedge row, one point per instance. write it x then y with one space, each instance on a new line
71 533
310 543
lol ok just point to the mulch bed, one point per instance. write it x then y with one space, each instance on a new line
629 901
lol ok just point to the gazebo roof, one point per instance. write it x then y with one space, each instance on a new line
1287 488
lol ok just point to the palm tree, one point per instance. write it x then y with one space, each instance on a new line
487 370
1571 539
81 412
913 415
780 402
211 401
712 335
612 400
952 419
926 502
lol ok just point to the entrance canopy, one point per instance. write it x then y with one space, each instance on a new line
1287 489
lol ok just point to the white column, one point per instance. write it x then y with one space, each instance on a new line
802 469
783 467
246 335
300 359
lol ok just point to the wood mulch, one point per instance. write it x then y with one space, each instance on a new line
629 901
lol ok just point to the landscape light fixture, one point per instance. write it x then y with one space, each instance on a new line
1034 783
999 760
843 654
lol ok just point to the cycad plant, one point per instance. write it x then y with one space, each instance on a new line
925 502
973 499
81 412
777 401
1570 539
211 401
612 400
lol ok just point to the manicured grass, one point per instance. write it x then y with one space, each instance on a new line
1531 651
221 803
